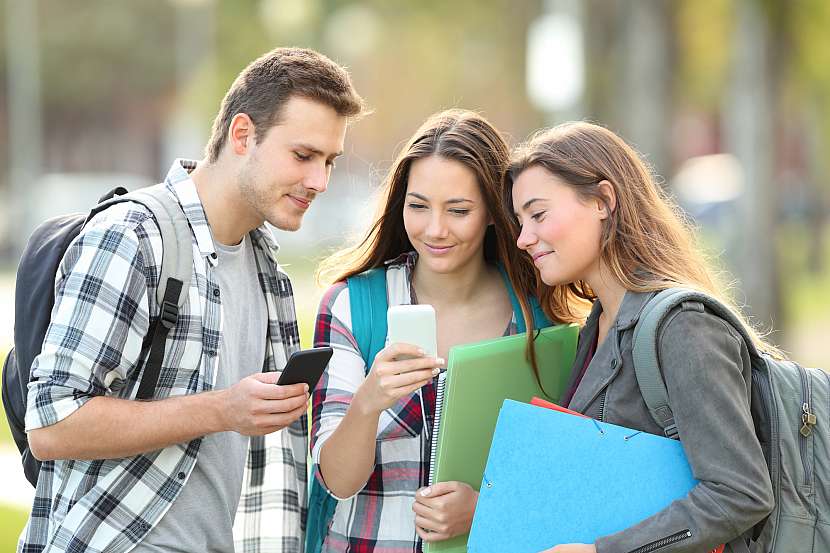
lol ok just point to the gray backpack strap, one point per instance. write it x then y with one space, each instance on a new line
646 360
175 272
176 238
174 277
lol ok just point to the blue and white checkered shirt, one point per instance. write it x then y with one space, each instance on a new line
105 296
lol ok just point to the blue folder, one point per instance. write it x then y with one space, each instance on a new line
554 478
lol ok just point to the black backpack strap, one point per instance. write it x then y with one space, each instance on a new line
167 320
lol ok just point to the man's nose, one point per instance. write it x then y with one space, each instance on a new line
317 178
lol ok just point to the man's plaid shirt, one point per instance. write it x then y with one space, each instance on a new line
105 296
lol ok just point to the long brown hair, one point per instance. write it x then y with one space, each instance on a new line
458 135
647 243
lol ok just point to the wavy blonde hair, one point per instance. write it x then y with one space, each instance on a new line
647 243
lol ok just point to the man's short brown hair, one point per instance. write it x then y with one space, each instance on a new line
263 88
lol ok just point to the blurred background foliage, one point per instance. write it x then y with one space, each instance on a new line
728 100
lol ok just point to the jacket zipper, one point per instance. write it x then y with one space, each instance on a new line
665 542
808 419
602 406
604 392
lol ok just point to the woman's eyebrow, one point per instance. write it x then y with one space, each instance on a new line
527 204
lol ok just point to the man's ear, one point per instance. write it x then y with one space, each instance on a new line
606 190
241 134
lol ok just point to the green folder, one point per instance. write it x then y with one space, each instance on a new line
478 379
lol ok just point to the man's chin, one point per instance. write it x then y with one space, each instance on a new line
287 225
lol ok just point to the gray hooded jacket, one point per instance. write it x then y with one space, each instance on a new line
706 366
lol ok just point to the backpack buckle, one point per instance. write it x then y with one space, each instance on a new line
169 314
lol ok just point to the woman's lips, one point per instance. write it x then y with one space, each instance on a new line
539 255
437 250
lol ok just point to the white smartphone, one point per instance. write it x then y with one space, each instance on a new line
413 324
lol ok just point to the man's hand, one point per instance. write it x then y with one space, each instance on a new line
255 405
444 510
573 548
398 370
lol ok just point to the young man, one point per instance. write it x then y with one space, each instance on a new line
170 474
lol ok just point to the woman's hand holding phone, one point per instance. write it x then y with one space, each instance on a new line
399 369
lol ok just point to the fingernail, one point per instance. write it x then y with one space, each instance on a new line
440 360
435 371
306 387
425 491
421 352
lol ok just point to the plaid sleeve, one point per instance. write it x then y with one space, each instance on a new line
98 323
345 373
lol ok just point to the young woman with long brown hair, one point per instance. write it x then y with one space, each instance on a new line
440 233
599 229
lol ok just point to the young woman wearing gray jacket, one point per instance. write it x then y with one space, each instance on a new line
600 231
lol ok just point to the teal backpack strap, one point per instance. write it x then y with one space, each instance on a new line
646 363
368 305
540 320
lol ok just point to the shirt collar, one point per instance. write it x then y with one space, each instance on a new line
631 307
178 181
629 313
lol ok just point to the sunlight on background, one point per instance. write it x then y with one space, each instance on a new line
726 100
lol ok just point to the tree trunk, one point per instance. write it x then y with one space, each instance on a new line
749 134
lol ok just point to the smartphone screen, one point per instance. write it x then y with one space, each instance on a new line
413 324
305 366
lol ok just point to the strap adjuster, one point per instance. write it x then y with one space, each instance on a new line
169 314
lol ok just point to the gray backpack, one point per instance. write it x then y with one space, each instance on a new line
791 412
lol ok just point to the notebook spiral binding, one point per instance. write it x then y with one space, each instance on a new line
436 423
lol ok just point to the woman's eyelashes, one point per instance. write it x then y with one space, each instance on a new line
454 210
538 216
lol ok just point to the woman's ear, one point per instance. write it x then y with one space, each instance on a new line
607 192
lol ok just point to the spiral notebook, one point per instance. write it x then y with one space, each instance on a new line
479 377
554 478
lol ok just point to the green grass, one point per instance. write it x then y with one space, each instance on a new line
13 521
807 294
13 518
5 433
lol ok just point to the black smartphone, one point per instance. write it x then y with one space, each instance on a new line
305 366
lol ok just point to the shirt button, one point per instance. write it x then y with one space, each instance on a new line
216 292
613 363
181 475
